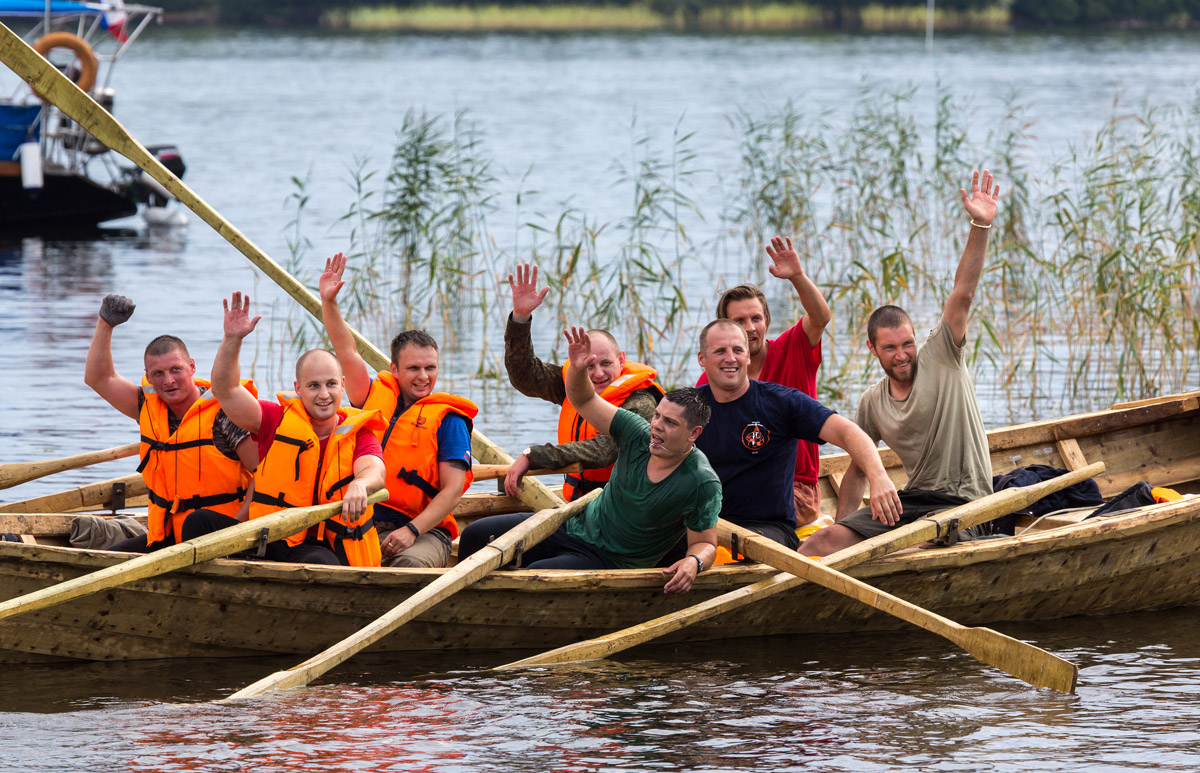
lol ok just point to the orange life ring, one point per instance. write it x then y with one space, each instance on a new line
88 63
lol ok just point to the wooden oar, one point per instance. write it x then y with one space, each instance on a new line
472 569
221 543
1020 659
22 472
931 527
494 471
93 495
69 98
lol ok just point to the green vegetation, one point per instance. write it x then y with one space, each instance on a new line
715 15
1092 288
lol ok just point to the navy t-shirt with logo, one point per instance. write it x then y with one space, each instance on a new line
751 444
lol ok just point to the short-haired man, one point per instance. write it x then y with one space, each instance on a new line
621 382
426 439
662 489
312 451
924 408
192 455
751 438
792 359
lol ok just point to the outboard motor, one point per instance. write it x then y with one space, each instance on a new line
155 196
152 192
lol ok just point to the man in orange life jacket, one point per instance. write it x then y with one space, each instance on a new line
192 455
426 437
620 382
312 452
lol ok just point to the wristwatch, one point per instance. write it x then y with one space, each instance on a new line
699 563
526 451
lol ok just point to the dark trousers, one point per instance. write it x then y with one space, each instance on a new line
137 544
778 531
204 522
558 551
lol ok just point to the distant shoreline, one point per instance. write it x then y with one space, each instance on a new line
653 16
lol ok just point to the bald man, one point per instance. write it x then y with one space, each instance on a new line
618 381
311 450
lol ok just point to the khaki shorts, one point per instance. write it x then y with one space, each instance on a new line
430 551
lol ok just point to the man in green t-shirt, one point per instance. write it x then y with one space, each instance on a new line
662 488
924 408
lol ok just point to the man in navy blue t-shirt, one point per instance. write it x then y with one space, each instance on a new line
752 436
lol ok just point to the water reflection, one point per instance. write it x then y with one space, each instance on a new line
881 702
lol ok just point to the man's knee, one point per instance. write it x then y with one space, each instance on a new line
829 540
429 552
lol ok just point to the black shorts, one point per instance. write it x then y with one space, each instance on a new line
916 503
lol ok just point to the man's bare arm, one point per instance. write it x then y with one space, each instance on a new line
785 264
595 411
354 367
854 485
369 473
885 502
99 373
701 545
239 404
981 207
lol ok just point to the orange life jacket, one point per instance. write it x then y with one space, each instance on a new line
410 445
293 475
572 427
183 470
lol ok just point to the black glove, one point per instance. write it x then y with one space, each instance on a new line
116 309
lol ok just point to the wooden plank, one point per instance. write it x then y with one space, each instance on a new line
1071 454
93 495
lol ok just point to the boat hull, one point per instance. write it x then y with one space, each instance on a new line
64 200
1140 560
232 608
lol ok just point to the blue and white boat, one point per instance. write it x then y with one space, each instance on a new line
53 174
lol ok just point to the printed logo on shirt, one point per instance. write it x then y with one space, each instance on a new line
755 436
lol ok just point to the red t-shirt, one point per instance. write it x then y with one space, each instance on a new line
272 414
792 362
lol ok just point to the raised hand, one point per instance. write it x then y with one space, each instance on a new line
331 278
785 262
526 296
981 205
115 309
237 317
579 347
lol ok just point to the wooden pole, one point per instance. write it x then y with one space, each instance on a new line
72 101
931 527
22 472
1018 658
91 495
495 471
468 571
229 540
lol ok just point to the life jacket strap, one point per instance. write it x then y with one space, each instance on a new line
196 502
154 444
263 498
413 478
301 447
350 533
343 482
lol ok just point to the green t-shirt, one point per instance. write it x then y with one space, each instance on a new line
635 522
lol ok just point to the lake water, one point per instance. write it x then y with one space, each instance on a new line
250 110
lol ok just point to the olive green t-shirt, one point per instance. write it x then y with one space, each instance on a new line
937 430
635 522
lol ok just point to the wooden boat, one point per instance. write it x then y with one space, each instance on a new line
1063 566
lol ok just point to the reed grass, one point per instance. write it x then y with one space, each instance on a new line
1090 292
649 16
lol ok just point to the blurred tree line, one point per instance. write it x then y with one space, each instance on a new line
838 13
